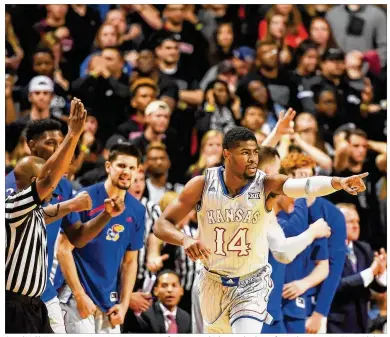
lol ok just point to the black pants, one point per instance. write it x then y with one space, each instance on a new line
24 314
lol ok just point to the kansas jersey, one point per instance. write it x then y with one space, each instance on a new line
99 262
233 228
62 192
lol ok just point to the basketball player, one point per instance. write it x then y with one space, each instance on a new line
233 246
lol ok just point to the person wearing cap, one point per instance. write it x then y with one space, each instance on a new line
242 61
157 118
41 93
278 81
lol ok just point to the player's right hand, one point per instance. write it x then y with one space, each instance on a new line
195 249
77 117
156 263
114 206
140 302
81 202
320 229
85 306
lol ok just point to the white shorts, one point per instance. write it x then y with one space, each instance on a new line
55 315
223 300
97 323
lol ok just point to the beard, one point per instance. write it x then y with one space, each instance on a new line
248 176
122 186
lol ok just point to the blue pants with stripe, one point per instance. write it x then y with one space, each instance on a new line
277 327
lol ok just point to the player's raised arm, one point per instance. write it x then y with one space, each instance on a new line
165 228
313 186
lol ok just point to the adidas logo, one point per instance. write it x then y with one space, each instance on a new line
212 189
230 282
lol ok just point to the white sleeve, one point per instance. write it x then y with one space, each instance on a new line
313 187
285 249
368 276
382 279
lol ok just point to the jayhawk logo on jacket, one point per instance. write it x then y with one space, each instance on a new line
113 232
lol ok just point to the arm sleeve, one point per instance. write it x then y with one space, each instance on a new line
367 276
314 186
285 249
137 240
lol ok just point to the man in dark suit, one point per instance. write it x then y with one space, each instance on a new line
164 316
363 270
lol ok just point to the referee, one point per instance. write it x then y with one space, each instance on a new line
26 251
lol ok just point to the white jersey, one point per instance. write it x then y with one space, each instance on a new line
233 228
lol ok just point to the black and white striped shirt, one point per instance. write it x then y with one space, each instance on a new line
152 214
26 243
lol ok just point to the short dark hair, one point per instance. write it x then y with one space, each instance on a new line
267 153
126 149
236 135
44 50
166 271
356 132
303 48
318 89
116 49
35 129
143 82
260 44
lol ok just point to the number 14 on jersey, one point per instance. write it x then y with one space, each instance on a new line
237 243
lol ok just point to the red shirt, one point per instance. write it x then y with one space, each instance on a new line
290 40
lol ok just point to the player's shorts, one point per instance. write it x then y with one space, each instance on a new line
196 314
74 324
294 325
277 327
223 300
55 315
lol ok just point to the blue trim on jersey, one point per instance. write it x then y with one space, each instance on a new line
224 188
247 316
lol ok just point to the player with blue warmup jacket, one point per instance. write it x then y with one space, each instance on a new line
101 274
290 313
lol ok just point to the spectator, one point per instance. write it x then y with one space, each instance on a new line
277 31
358 160
43 64
193 45
56 34
360 27
307 60
242 62
321 34
147 67
296 32
16 146
311 12
143 91
157 116
378 313
219 111
363 269
255 119
103 93
326 108
165 316
107 36
210 153
276 80
223 45
157 165
13 52
10 108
